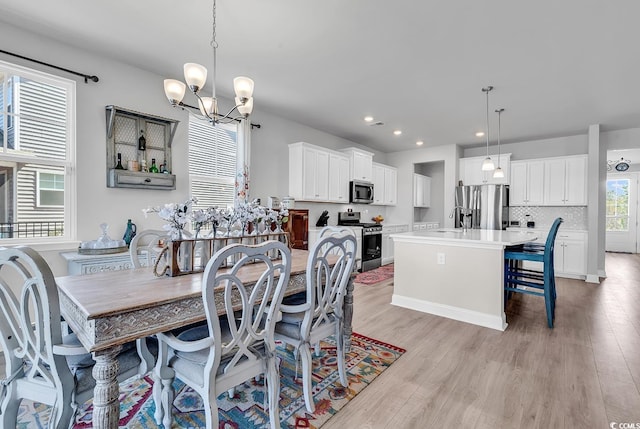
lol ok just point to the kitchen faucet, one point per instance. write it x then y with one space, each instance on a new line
466 213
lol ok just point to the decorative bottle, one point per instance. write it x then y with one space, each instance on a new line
130 232
153 168
119 164
142 142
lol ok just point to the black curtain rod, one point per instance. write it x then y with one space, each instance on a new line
183 105
86 77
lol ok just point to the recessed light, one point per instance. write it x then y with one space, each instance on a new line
480 134
419 143
397 132
368 118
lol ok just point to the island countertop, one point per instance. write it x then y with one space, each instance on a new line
470 238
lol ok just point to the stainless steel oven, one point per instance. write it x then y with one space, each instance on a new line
371 248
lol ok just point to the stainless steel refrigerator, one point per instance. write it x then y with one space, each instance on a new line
483 206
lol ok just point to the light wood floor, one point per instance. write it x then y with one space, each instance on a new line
584 373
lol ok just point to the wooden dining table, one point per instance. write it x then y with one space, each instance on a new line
107 310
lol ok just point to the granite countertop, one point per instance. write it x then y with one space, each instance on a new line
545 228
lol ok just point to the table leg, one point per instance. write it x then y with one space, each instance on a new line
106 407
348 314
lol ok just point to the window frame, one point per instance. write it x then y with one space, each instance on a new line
39 188
69 163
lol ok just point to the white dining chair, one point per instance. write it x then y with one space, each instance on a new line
320 314
236 346
145 248
42 363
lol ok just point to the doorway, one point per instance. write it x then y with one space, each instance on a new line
622 213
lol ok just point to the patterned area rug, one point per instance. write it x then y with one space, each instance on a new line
366 360
377 275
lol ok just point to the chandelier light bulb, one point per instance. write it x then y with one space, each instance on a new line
498 173
243 86
208 107
195 75
246 108
174 90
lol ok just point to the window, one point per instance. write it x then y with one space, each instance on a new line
618 205
50 189
37 119
212 162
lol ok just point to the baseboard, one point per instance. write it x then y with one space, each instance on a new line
455 313
602 274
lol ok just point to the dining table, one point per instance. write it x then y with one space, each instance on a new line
109 309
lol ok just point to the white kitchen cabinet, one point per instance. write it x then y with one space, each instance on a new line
526 183
387 242
309 173
471 170
385 184
570 253
565 181
360 164
338 178
378 184
390 186
421 190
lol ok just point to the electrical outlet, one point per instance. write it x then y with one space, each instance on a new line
441 259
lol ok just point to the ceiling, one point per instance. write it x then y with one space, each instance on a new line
418 66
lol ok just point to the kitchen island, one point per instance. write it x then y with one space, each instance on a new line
454 274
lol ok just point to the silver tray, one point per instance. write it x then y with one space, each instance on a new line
102 251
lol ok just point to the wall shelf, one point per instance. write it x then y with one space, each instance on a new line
124 128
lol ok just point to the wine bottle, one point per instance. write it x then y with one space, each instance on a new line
142 142
119 164
153 168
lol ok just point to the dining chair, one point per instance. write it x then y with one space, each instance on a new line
320 315
235 346
530 281
144 247
42 363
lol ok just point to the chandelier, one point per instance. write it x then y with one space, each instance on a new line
195 76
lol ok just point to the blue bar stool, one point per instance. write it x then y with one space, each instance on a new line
521 280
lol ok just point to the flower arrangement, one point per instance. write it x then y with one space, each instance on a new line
177 215
236 221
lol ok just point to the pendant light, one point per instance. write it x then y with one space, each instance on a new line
487 164
498 173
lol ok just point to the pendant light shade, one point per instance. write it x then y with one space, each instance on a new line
487 164
498 173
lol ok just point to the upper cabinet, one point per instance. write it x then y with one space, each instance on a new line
134 139
322 175
385 185
338 178
361 164
549 182
566 181
308 172
421 190
527 183
471 170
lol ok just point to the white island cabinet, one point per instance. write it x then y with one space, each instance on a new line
454 274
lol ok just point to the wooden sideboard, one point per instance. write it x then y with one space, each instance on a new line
298 228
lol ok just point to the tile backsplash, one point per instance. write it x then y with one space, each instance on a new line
574 217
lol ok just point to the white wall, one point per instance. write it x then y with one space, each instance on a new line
136 89
405 163
546 148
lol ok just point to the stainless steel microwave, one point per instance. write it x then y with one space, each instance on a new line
360 192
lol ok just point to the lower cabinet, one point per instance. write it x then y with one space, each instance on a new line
387 242
570 254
